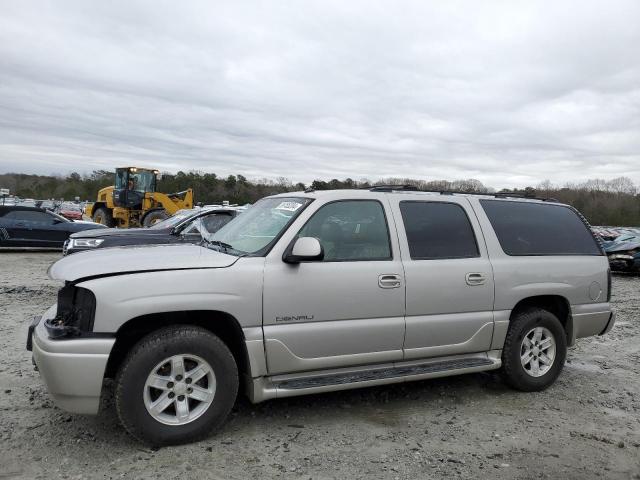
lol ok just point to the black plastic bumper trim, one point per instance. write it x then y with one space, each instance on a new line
32 327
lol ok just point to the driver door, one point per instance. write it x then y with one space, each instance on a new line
343 310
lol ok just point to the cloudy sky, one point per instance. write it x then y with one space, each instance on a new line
509 92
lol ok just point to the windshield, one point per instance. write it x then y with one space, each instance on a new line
133 179
255 230
173 220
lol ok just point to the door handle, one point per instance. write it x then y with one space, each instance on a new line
475 279
389 280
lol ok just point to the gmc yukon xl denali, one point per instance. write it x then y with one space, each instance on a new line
322 291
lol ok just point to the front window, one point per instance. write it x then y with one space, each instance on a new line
255 230
350 230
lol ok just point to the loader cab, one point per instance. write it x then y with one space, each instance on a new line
131 184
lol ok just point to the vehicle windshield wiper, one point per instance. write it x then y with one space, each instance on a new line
219 243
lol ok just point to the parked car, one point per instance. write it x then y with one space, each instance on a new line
322 291
624 253
31 227
46 205
185 226
70 211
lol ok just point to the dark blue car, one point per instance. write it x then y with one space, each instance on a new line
31 227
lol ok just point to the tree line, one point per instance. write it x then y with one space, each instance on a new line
603 202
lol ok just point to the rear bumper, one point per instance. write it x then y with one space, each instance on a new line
72 369
592 319
612 321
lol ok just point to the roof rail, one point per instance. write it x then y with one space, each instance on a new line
391 188
522 195
413 188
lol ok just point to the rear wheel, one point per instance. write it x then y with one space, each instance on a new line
176 386
153 217
534 351
104 216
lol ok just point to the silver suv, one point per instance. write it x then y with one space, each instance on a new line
321 291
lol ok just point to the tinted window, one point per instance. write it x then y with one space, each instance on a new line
350 230
30 216
527 228
216 221
438 230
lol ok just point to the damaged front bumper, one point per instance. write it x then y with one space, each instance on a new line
624 262
72 368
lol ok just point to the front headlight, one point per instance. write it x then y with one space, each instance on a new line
85 242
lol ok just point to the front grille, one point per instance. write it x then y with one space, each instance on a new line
65 247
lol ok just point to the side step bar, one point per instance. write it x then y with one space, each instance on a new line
265 388
382 374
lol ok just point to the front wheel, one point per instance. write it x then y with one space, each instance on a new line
534 351
153 217
104 216
176 386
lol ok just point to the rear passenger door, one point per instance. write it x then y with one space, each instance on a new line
449 279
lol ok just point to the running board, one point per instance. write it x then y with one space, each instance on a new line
265 388
382 374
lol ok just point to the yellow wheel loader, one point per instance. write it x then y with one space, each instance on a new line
134 202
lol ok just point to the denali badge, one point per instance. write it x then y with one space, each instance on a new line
295 318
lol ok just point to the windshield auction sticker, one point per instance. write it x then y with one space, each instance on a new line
289 206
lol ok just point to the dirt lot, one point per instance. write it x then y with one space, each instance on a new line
586 426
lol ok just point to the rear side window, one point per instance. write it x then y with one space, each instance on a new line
438 230
527 228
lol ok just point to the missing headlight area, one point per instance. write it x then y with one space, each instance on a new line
75 314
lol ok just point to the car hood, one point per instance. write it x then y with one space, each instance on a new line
622 247
118 232
137 259
84 227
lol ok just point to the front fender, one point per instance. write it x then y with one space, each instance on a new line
236 290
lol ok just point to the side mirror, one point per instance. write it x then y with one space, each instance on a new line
305 249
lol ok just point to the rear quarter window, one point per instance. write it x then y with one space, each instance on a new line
528 228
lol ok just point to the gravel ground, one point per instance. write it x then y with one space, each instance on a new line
586 426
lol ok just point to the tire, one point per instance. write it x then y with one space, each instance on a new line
523 377
132 391
103 216
154 216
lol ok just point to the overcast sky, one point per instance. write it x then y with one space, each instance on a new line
509 92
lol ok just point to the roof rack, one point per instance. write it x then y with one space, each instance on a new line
522 195
391 188
413 188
